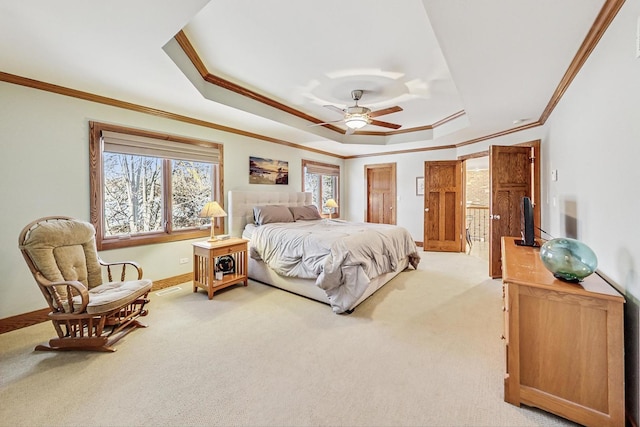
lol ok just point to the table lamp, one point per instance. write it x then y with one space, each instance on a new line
212 210
332 205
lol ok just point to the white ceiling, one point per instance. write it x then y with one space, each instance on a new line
495 60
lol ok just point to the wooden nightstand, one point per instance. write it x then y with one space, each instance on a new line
229 257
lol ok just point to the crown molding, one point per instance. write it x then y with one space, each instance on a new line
61 90
606 15
192 54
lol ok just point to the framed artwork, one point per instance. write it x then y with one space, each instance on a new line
268 171
420 186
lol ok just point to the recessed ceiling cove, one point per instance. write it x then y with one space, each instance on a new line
304 58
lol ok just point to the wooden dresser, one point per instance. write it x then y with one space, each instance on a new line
564 341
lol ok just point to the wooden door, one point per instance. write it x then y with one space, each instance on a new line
381 193
511 171
443 189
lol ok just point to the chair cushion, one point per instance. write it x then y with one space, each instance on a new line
113 295
65 250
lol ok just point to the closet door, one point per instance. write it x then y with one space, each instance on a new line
381 193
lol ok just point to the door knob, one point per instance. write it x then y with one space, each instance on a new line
494 216
426 210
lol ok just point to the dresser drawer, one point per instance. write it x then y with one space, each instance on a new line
239 247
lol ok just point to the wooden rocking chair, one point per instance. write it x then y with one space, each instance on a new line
86 313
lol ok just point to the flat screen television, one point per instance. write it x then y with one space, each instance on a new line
526 224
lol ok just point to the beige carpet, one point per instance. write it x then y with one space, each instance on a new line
423 351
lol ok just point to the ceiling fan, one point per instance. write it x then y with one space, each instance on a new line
356 117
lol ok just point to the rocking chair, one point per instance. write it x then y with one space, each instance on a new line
86 313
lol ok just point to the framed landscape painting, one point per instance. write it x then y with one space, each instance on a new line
268 171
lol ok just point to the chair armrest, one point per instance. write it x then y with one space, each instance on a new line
54 296
124 265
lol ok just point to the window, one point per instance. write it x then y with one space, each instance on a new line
149 188
322 180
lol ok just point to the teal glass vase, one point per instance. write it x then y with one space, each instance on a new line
568 259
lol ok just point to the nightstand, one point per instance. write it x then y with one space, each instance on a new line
219 264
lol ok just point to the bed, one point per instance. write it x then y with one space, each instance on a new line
345 278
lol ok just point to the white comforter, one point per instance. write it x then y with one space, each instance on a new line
342 256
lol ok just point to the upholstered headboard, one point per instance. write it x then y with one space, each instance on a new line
241 205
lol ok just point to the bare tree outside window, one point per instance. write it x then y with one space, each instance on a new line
322 181
191 183
149 187
312 185
132 194
329 183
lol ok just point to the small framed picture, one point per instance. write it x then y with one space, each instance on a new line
420 186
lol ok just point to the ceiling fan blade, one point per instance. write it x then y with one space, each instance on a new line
385 124
334 108
384 111
325 123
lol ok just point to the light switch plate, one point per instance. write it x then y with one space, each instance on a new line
638 39
554 175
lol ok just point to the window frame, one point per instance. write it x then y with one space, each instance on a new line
96 185
336 191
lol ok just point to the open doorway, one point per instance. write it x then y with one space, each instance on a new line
477 195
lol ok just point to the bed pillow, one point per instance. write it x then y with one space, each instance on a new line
302 213
271 213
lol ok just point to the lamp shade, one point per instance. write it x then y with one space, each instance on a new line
211 210
356 121
331 203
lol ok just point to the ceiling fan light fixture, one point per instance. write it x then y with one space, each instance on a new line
357 117
356 121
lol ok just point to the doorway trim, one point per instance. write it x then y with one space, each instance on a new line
535 180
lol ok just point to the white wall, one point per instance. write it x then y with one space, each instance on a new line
45 150
593 140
